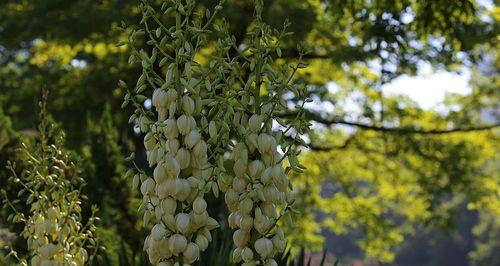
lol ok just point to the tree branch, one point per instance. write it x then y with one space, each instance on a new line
396 130
405 130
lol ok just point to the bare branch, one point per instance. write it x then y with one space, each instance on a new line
396 130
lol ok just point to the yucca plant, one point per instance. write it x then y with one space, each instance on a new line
211 130
51 189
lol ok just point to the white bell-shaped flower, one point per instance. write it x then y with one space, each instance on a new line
192 253
177 243
264 247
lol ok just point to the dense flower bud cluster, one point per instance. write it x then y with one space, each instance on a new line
258 192
177 141
204 112
48 237
53 227
173 197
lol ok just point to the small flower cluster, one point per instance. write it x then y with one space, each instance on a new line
50 241
53 227
259 190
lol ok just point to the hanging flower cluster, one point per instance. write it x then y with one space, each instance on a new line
259 189
177 137
259 194
53 227
174 195
205 117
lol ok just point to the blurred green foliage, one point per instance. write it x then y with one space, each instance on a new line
377 180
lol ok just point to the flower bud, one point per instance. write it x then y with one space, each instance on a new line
212 130
200 219
158 231
270 262
206 233
240 167
146 242
172 110
266 176
247 254
152 157
237 255
186 124
255 169
198 161
240 238
192 138
161 154
237 118
183 124
168 205
200 149
148 186
170 129
266 143
160 99
261 223
264 247
160 173
177 243
212 223
169 221
149 143
199 205
171 96
188 105
36 261
271 193
144 123
240 152
191 253
182 222
194 181
246 223
234 219
48 251
202 242
183 157
173 146
278 243
184 190
154 255
172 166
282 183
158 212
154 199
251 141
239 184
255 123
164 249
246 206
231 198
168 187
276 172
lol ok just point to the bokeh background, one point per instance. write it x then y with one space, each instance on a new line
403 163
